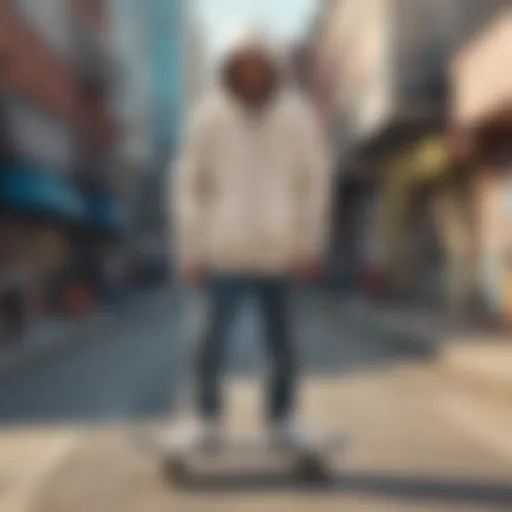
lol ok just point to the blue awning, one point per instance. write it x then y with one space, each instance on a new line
106 212
28 189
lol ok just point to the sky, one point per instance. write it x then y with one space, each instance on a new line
285 18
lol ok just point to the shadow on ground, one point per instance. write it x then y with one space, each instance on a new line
406 487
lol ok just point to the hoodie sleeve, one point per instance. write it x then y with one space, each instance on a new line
313 185
188 191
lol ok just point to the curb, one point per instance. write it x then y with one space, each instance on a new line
410 340
478 359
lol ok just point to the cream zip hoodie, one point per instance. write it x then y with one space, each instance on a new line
250 194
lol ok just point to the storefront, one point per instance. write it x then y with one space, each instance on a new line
406 212
495 244
428 226
39 209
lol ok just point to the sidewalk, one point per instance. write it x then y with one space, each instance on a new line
478 356
29 455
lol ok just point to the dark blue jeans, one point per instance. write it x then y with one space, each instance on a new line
225 295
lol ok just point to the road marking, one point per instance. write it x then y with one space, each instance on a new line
478 425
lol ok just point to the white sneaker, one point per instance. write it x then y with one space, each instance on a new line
288 436
196 436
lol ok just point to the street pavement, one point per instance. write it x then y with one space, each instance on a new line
67 422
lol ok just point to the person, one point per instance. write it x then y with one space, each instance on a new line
113 278
250 204
14 303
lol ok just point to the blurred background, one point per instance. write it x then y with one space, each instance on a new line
415 100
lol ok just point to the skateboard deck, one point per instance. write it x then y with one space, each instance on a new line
240 457
243 456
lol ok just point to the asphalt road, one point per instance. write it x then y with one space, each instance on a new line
403 452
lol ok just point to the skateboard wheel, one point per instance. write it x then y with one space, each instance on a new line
311 469
176 470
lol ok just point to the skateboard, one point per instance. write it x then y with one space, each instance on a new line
241 458
236 456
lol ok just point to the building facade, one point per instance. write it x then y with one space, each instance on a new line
195 59
168 41
482 110
56 127
389 102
